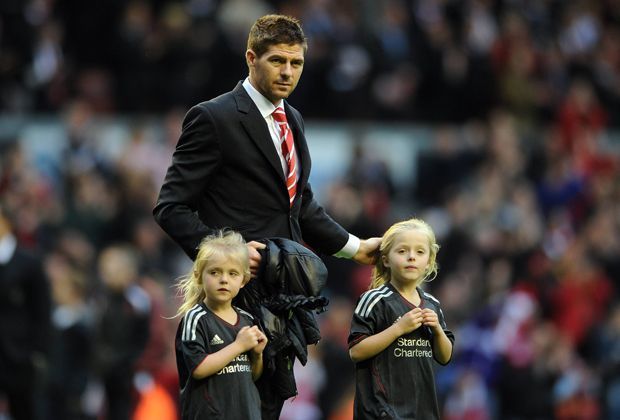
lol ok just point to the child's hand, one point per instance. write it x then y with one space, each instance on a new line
411 321
430 319
262 342
248 337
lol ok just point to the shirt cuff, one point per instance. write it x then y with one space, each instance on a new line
350 248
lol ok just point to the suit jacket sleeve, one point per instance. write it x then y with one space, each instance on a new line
319 230
196 157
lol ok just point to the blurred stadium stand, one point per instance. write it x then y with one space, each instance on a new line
496 121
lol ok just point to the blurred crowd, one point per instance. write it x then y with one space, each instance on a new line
421 60
529 225
105 348
528 221
521 184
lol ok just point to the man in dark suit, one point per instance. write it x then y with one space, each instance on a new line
236 165
228 169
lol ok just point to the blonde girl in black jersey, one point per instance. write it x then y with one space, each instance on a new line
398 329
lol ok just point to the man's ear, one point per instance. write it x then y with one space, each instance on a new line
250 57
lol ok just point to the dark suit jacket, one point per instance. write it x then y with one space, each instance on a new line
226 172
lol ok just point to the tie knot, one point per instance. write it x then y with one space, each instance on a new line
279 115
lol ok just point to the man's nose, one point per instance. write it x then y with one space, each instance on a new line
287 70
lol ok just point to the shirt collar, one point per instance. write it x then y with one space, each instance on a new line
8 243
265 107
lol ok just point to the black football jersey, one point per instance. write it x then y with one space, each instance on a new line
399 382
228 394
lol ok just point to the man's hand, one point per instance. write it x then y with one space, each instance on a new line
368 251
253 248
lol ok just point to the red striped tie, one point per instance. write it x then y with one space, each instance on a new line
288 151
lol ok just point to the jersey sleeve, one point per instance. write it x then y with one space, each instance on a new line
444 327
193 342
363 323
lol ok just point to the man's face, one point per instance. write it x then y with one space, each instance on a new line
275 73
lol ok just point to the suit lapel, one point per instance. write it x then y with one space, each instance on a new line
254 124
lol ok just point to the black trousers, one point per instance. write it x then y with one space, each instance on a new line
270 403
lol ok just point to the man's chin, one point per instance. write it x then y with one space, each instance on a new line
283 92
276 97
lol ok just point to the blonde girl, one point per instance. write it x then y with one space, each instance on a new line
381 273
224 243
218 346
398 330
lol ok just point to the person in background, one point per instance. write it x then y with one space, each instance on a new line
25 326
122 328
72 332
219 349
398 329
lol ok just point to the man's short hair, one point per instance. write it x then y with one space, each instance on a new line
275 29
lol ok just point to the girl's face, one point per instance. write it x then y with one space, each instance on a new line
222 277
408 258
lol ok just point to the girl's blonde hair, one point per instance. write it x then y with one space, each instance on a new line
382 274
226 243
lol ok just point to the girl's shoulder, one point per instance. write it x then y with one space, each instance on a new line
384 289
371 298
244 313
198 310
428 297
